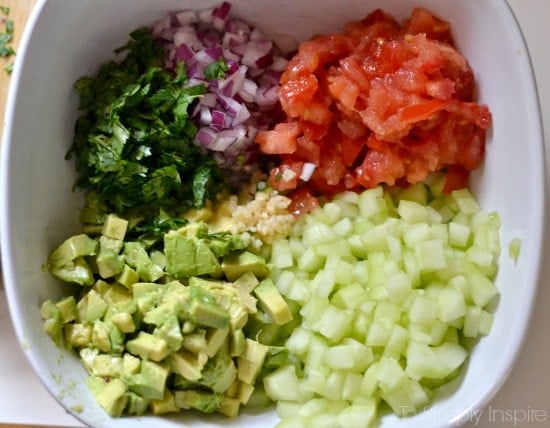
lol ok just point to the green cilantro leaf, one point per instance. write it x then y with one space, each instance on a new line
134 142
216 69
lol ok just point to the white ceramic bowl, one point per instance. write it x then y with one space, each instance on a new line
65 40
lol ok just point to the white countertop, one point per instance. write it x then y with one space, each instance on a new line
524 400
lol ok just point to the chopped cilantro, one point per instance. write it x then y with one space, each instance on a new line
216 69
6 38
134 144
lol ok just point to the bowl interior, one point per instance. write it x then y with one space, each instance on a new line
39 209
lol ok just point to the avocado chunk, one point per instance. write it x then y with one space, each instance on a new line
204 401
137 258
109 262
71 249
137 405
224 296
127 276
189 256
114 227
165 405
76 271
148 346
53 325
237 264
187 365
272 302
208 313
112 397
250 362
150 382
105 365
91 307
67 307
124 322
244 285
77 335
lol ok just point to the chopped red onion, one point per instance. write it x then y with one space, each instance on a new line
232 111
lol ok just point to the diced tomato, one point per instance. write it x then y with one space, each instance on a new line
456 178
286 176
381 167
378 103
308 150
422 111
302 201
280 140
295 95
422 21
351 149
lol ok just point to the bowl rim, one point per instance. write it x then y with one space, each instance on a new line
6 236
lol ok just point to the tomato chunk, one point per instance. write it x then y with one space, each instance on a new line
379 102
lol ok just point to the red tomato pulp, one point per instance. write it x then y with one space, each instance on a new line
381 102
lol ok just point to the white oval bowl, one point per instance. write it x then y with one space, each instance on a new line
66 40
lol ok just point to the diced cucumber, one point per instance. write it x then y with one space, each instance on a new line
388 310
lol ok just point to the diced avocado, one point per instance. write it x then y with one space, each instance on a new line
140 289
117 338
187 365
67 306
208 313
112 397
225 378
52 321
117 295
137 405
272 302
158 258
215 338
77 271
224 296
158 315
206 402
237 344
130 364
236 264
245 392
137 258
150 382
106 365
114 227
195 342
164 405
186 257
77 335
127 276
109 262
148 346
91 307
229 407
170 331
217 370
123 321
74 247
250 362
244 285
88 355
101 336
